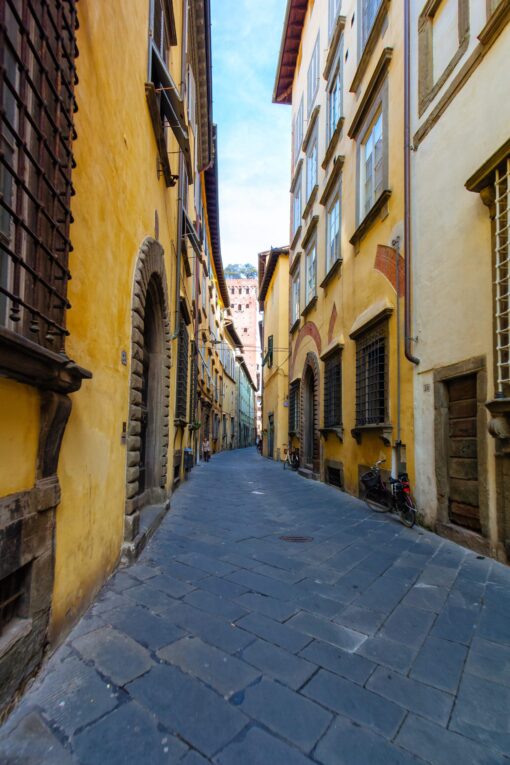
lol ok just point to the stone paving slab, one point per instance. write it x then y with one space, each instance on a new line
370 644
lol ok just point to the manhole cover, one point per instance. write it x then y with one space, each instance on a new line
296 539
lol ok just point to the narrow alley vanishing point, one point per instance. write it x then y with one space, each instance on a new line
229 643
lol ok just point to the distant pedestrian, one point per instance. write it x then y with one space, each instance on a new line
206 449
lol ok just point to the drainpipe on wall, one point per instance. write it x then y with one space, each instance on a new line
407 183
396 459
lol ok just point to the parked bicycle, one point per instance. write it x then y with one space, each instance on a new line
397 498
291 459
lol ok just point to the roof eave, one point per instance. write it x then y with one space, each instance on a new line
282 93
270 266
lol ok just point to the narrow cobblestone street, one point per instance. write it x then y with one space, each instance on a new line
368 644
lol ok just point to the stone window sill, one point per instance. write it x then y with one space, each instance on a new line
383 430
295 238
311 125
370 46
332 271
23 360
499 17
335 36
311 200
311 304
333 142
294 326
370 218
336 430
295 176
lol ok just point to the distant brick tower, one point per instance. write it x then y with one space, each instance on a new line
243 301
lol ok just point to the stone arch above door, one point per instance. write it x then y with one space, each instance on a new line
149 270
310 367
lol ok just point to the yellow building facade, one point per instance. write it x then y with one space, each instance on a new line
113 150
350 383
274 305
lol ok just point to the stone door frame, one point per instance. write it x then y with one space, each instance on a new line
477 366
149 274
311 364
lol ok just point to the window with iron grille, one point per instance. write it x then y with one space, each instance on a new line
294 407
182 372
13 596
372 376
333 390
334 476
502 276
37 79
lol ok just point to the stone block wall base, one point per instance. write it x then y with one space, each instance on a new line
467 538
306 473
150 518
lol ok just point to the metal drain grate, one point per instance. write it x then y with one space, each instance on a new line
300 540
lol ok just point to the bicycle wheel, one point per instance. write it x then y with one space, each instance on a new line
378 502
407 512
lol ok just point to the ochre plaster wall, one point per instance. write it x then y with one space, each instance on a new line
276 378
358 284
19 436
117 196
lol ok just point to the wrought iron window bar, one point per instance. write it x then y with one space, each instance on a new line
333 391
37 79
372 377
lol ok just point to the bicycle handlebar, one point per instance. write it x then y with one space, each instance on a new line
379 462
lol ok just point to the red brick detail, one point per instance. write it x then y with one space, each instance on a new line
332 322
307 330
243 302
386 264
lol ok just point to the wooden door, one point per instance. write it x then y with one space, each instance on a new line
463 499
270 437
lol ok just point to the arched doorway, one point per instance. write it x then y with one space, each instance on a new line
152 391
149 394
310 443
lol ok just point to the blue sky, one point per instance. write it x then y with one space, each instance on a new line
253 133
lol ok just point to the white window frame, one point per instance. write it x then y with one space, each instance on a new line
297 205
333 223
311 268
312 164
333 11
313 76
335 99
298 132
366 21
372 137
296 296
